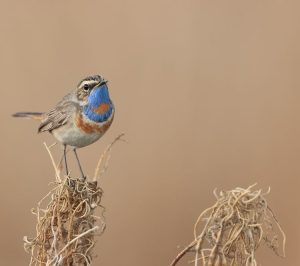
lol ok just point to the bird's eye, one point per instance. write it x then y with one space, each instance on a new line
86 87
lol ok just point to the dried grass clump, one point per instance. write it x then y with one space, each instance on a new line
233 229
67 226
68 223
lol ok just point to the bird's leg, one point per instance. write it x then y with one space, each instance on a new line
82 174
65 157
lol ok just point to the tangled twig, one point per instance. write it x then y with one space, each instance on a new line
66 226
234 228
68 223
102 163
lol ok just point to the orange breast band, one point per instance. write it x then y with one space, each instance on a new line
89 127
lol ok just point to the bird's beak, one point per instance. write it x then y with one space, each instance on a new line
104 81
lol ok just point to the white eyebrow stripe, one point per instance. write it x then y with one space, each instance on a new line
88 82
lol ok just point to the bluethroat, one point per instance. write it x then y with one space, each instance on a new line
80 118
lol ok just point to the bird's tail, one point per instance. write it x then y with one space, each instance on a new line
32 115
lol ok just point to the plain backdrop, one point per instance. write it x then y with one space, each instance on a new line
207 93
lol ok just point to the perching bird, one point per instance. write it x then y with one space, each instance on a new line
80 118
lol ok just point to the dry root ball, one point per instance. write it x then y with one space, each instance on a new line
67 226
68 223
233 229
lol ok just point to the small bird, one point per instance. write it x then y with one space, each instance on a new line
80 118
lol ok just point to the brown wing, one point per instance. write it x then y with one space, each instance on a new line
58 116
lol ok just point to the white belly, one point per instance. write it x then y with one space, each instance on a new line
75 137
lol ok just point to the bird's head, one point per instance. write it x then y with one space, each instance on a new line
93 95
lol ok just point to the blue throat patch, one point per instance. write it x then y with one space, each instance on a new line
98 97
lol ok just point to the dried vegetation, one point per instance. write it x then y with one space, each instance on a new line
68 219
233 229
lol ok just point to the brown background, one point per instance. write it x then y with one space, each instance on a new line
207 93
